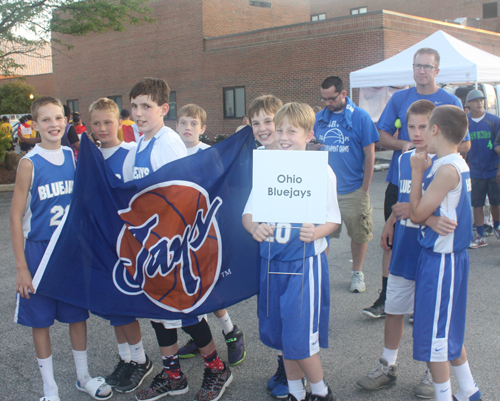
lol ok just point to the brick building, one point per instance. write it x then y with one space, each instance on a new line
221 54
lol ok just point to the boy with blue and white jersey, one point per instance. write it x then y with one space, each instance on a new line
483 163
191 120
443 266
401 235
296 253
42 194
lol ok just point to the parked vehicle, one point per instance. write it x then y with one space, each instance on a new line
492 93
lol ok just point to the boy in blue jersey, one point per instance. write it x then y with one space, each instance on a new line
483 164
161 145
42 193
443 265
401 235
105 122
191 120
298 253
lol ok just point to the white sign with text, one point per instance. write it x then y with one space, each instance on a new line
289 186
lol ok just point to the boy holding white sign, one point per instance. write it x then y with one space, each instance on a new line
294 299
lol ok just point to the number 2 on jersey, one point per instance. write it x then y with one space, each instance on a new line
58 212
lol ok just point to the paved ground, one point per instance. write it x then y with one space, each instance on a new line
355 340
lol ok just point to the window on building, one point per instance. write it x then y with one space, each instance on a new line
265 4
318 17
117 100
73 105
172 109
234 102
359 10
490 10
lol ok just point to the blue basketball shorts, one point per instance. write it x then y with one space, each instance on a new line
40 311
294 308
440 306
117 320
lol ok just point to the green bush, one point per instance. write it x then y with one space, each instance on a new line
5 145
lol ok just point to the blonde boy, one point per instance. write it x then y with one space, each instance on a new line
281 325
34 217
261 113
191 120
443 265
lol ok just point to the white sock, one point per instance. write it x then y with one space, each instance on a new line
466 384
82 367
47 371
124 352
226 324
137 353
443 391
319 388
390 355
296 388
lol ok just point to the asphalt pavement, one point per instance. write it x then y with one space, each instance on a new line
356 340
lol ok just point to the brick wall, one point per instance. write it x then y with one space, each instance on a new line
289 61
439 10
226 17
43 83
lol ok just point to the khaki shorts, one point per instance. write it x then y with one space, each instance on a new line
356 214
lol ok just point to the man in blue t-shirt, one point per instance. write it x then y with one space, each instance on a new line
347 132
483 164
425 70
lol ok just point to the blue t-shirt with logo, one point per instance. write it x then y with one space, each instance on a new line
397 107
482 158
344 135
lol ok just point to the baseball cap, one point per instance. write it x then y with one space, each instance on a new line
125 113
474 94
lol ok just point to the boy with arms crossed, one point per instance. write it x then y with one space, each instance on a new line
191 120
297 331
34 217
443 265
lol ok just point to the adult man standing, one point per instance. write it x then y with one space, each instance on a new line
425 70
483 164
349 135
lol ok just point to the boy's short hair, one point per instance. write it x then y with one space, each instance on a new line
5 119
104 104
421 108
428 50
451 121
269 103
194 111
157 89
43 101
125 113
300 115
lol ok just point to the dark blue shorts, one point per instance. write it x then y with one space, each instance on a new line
481 187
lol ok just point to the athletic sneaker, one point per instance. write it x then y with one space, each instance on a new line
134 375
411 318
114 378
291 397
376 310
474 397
497 234
357 282
328 397
278 385
235 341
381 376
488 230
425 389
478 242
162 386
189 350
214 383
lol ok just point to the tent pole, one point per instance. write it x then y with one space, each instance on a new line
350 93
476 84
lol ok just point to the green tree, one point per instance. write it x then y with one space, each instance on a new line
26 25
15 97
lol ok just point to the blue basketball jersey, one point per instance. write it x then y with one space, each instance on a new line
456 206
142 162
50 192
116 159
405 248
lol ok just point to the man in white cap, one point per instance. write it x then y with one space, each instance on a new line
483 164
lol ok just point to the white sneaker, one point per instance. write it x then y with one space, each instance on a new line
357 282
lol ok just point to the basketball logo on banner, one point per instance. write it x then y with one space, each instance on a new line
170 246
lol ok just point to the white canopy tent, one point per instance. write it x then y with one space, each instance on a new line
460 63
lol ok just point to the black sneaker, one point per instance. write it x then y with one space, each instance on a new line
328 397
235 341
162 386
114 378
214 384
377 309
292 397
134 375
189 350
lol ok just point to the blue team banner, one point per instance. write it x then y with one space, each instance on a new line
168 245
